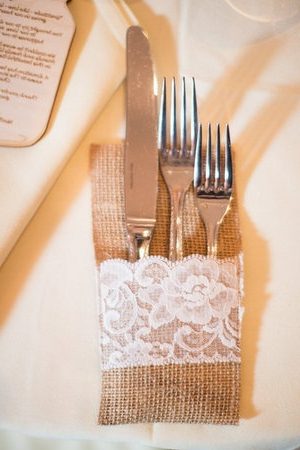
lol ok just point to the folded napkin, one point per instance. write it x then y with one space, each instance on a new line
95 67
169 331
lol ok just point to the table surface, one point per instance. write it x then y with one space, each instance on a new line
247 74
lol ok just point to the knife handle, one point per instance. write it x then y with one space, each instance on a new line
139 243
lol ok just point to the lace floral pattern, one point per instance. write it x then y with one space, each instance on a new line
158 312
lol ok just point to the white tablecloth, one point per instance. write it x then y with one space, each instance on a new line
246 64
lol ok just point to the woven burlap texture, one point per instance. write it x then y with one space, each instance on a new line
109 214
192 393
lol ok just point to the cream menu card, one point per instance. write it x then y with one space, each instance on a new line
35 36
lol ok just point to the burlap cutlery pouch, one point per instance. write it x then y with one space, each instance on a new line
169 332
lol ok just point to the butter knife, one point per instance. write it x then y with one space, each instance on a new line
141 155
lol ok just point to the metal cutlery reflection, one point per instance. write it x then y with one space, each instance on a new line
213 180
177 161
141 160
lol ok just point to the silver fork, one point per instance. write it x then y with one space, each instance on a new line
177 162
213 185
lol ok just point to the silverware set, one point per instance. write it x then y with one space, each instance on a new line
183 163
183 158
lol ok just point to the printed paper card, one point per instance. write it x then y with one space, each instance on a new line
35 37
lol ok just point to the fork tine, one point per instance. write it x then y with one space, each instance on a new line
228 162
162 121
194 117
217 160
208 159
183 118
198 160
173 127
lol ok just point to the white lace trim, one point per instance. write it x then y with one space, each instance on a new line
155 312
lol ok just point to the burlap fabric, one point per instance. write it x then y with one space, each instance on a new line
190 393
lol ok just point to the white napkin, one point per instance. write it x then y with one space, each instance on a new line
95 67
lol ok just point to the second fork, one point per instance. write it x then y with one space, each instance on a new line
177 161
213 188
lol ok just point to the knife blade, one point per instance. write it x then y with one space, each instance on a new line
141 155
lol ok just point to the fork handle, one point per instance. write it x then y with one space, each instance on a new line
212 212
176 228
212 240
